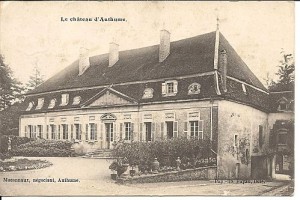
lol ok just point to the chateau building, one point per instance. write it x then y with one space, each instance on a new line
197 87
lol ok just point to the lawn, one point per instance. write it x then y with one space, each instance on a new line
22 164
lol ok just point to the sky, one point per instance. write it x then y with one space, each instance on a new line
33 34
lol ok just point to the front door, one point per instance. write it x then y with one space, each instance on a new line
109 135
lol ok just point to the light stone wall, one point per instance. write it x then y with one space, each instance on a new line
243 121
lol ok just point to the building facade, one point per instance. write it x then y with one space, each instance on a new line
197 87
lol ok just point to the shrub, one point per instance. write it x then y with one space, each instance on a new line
166 152
4 156
44 148
15 142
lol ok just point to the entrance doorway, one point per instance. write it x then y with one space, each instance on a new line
170 130
109 135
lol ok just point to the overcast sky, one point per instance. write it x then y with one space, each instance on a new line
32 33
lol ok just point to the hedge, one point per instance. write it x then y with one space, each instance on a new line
15 142
44 148
166 151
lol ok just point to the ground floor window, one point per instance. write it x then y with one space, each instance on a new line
93 131
77 132
148 131
194 127
127 127
170 130
53 131
40 131
31 131
64 131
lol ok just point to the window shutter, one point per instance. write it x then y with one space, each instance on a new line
25 131
152 131
162 130
141 131
42 132
47 132
58 137
86 131
185 130
121 131
175 87
114 131
96 129
132 131
34 132
72 131
200 129
101 131
163 88
80 131
175 128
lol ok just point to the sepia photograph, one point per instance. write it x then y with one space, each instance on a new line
167 98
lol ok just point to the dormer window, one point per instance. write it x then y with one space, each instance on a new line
52 103
30 105
40 103
194 88
64 99
169 88
76 100
148 93
283 104
244 88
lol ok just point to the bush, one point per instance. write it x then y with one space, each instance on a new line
15 142
166 152
44 148
4 156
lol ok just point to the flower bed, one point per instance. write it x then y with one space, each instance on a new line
23 164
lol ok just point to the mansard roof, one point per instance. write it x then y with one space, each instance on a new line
189 56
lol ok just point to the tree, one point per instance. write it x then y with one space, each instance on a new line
35 79
286 74
10 88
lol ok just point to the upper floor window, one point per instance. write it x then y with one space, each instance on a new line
194 88
52 103
64 99
283 104
169 88
40 103
148 93
30 105
76 100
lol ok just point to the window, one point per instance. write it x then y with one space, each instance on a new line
260 135
127 126
64 131
148 93
194 88
39 131
282 137
93 131
52 103
196 129
30 105
31 131
148 131
40 103
64 99
236 141
53 127
282 106
76 100
77 132
169 88
244 88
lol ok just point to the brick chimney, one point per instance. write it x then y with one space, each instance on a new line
113 53
223 69
164 47
84 60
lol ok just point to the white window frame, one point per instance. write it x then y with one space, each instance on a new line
30 106
76 100
52 103
64 99
166 92
127 131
